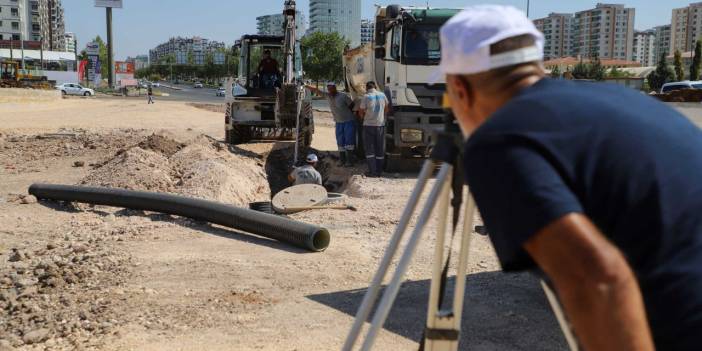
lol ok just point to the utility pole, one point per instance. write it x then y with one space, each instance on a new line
21 40
110 72
528 8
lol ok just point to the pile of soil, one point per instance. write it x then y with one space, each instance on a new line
201 168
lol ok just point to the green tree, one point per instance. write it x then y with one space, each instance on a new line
696 62
677 62
322 56
556 72
595 70
581 70
663 74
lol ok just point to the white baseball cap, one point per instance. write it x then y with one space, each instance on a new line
312 158
466 39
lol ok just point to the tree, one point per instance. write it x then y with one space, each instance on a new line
595 70
618 73
322 56
663 74
696 62
580 71
677 62
556 72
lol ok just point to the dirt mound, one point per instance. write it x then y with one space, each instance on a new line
161 144
361 187
200 168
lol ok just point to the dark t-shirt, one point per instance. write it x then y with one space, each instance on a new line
268 66
628 162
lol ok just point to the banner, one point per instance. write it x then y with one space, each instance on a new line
124 67
81 69
109 3
92 48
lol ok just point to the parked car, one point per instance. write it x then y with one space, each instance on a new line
198 85
156 84
74 89
672 86
221 92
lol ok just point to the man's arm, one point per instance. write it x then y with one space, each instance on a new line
595 284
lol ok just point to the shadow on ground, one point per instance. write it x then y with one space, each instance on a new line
501 312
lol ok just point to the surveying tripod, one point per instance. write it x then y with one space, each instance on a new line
443 326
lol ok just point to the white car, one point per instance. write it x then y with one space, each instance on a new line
156 84
74 89
668 87
221 92
198 85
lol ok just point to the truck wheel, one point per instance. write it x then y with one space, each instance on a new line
240 135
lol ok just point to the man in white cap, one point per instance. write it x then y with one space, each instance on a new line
341 106
306 174
598 186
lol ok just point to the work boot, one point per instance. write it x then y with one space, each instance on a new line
343 158
371 168
379 166
350 159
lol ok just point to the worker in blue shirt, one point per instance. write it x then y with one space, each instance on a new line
597 186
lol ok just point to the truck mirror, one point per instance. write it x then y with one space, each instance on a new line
392 11
380 53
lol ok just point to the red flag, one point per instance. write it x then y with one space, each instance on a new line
81 69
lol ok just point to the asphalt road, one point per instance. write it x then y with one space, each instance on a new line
190 94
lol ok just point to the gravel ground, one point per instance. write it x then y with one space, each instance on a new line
101 278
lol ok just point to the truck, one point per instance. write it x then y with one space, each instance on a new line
267 100
405 52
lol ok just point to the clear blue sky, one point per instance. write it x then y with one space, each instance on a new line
142 24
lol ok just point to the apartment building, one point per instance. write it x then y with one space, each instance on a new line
686 27
367 31
38 21
186 51
663 41
273 25
607 31
645 47
70 42
558 34
340 16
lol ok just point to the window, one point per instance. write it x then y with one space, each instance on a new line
15 25
14 11
15 37
396 41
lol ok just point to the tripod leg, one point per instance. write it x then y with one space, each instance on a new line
443 327
556 307
441 187
374 288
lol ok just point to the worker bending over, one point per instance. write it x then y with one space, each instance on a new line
306 174
597 185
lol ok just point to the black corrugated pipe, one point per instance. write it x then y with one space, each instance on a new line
300 234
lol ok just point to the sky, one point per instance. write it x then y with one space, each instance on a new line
143 24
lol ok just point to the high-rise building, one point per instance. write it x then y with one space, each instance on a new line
140 61
367 31
686 27
607 32
645 47
38 21
558 34
70 41
273 25
663 41
183 51
340 16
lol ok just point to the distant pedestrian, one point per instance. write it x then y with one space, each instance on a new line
341 107
306 174
150 94
372 111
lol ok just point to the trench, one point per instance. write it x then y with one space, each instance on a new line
279 164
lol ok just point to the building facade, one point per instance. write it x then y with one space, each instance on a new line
340 16
71 42
273 25
38 21
645 47
663 41
184 51
607 32
558 34
686 27
367 31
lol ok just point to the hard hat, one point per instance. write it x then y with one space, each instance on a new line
312 158
466 39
